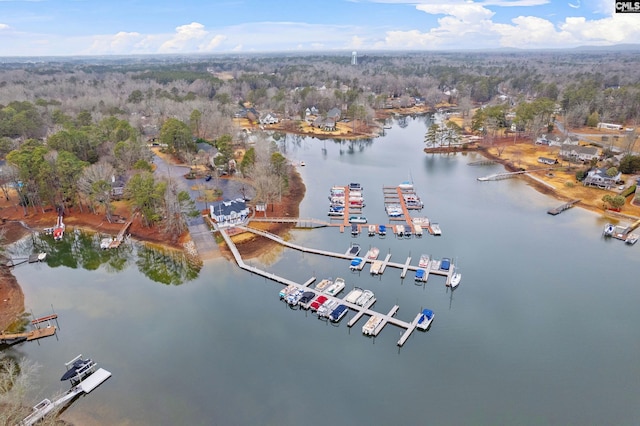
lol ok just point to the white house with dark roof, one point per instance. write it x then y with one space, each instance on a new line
268 118
229 212
600 178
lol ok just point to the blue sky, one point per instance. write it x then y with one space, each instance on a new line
99 27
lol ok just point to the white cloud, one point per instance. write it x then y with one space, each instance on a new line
213 43
4 27
463 11
470 25
532 32
619 28
184 38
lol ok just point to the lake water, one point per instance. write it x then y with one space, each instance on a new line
542 329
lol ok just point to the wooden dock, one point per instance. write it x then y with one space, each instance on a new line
563 207
482 163
44 319
35 334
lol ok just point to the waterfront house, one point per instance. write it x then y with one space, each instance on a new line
600 178
578 152
326 124
334 114
268 118
229 212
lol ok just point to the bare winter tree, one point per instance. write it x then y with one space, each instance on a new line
95 184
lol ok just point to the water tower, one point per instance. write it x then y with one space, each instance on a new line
354 58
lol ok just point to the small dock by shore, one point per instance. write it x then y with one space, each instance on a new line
557 210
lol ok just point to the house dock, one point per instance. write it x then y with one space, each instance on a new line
89 380
117 241
563 207
35 334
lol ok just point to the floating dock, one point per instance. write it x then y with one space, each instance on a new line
388 318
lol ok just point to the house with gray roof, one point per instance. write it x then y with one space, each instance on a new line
600 178
229 212
334 114
578 152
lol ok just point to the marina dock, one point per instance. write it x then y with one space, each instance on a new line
401 266
388 318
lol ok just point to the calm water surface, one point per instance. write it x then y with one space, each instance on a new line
542 329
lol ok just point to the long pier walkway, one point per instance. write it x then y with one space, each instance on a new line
360 310
404 267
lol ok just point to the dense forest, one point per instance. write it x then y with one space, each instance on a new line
70 127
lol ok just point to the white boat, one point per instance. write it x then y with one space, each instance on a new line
399 230
324 284
357 219
287 290
354 250
424 261
423 221
373 253
406 185
357 264
609 229
370 327
335 288
455 279
105 243
376 267
424 319
435 228
367 295
631 239
354 295
394 210
294 297
372 230
327 307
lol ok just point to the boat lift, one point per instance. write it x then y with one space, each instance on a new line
85 380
